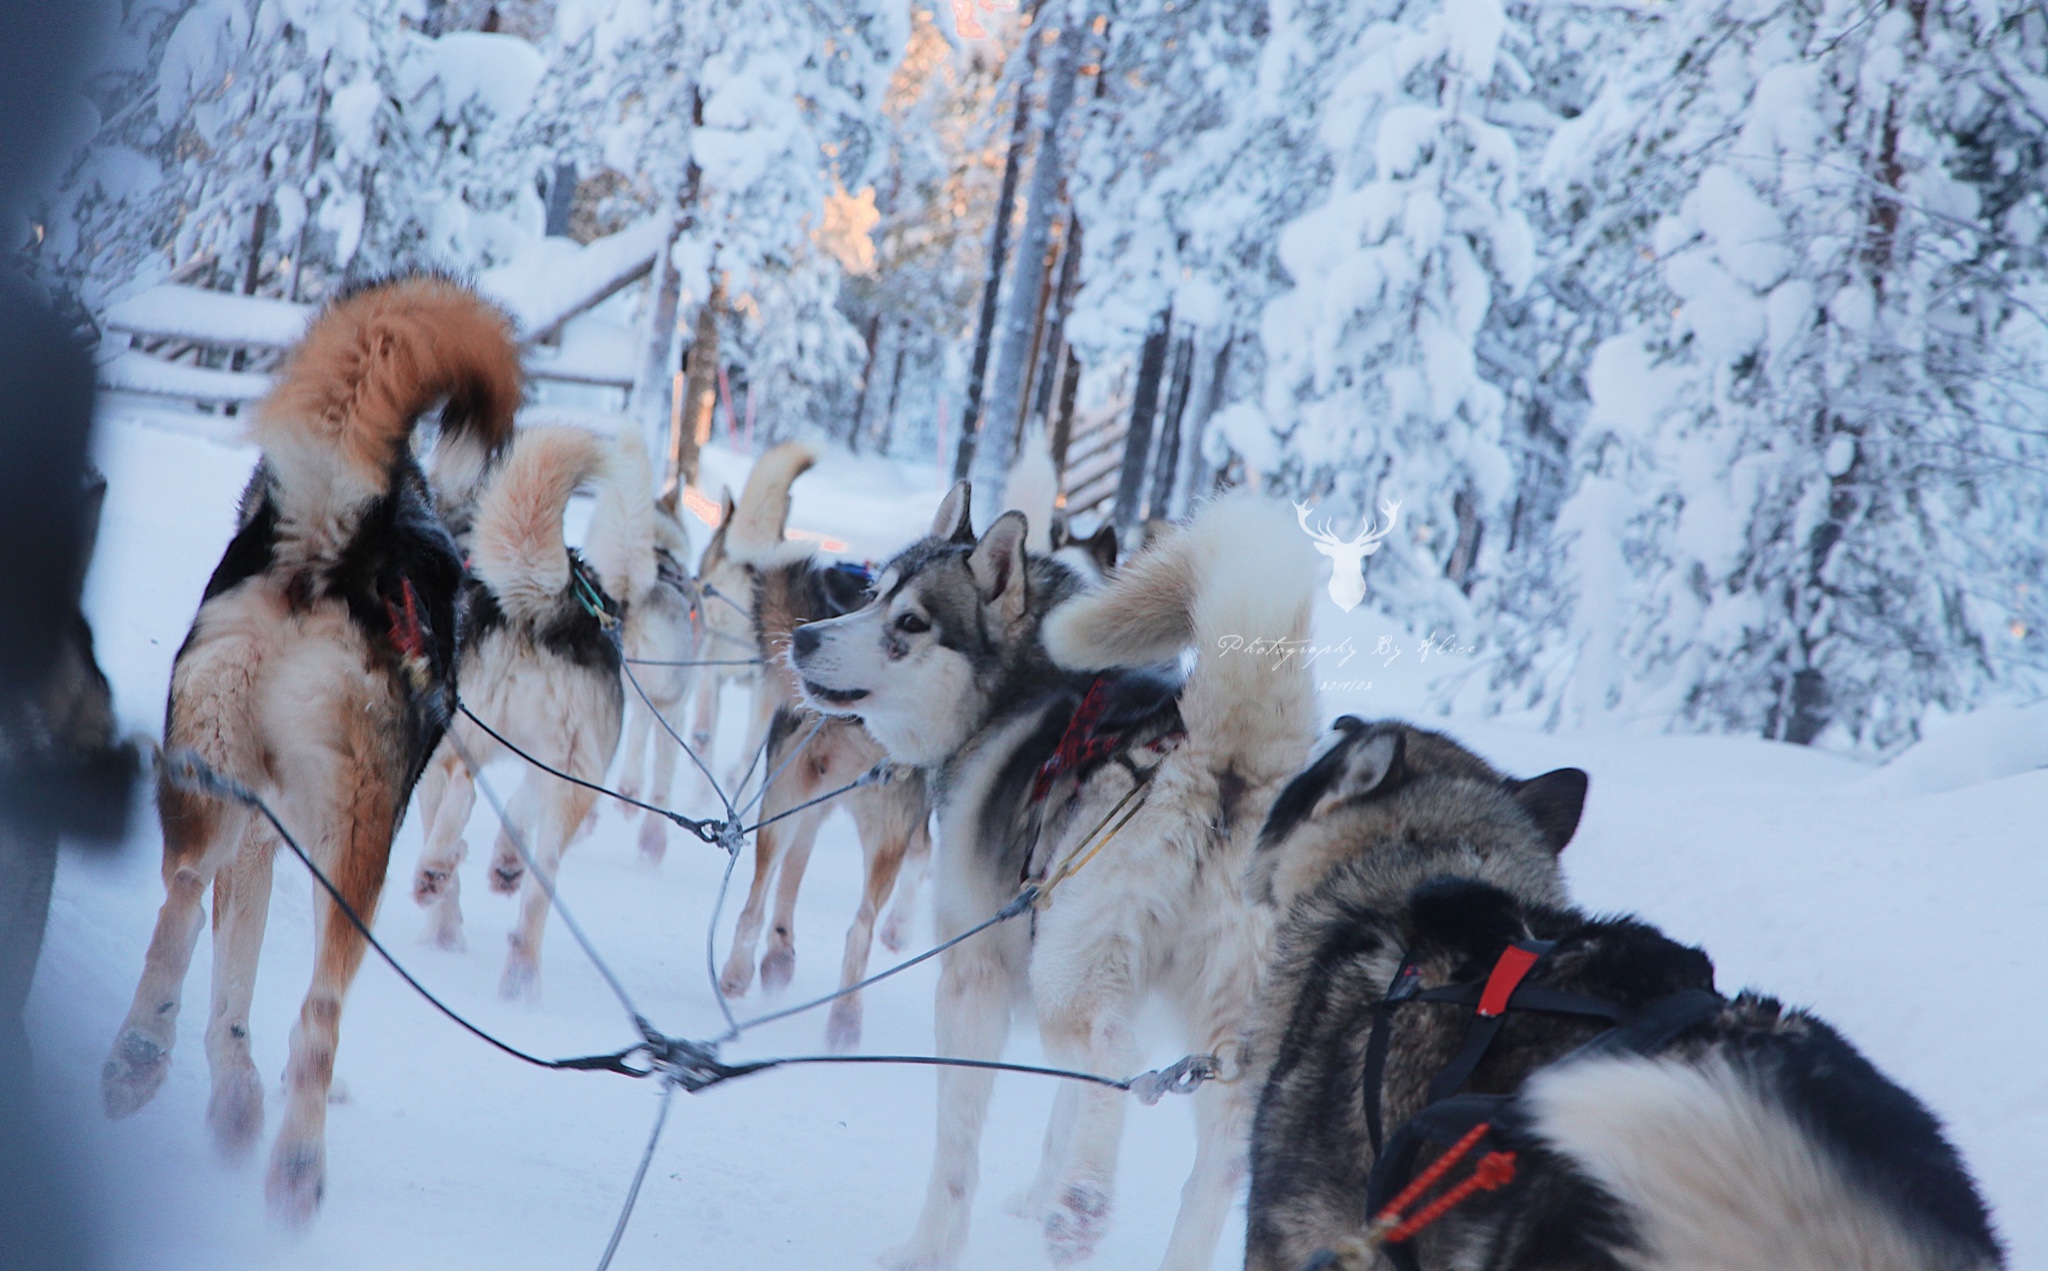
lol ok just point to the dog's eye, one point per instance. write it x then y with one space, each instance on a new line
912 624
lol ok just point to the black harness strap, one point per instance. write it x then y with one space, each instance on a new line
1448 1115
1405 985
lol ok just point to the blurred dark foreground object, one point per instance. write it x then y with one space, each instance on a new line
62 770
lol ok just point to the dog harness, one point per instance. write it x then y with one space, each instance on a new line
1450 1117
1086 742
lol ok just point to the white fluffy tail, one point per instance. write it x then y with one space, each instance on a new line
517 547
620 544
1034 490
762 514
1717 1176
1236 586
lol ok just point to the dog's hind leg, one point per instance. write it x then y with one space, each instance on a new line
358 830
1085 1012
639 723
508 866
738 975
241 906
1222 1125
762 707
1034 1200
882 845
917 858
561 810
778 965
437 883
654 829
703 729
976 988
197 833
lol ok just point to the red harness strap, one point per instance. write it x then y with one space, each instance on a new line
407 635
1080 744
1514 964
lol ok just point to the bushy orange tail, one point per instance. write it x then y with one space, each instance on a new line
345 406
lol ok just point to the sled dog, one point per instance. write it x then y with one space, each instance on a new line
317 671
661 631
748 534
1431 977
539 665
1039 708
809 755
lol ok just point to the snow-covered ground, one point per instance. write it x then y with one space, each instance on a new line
1900 903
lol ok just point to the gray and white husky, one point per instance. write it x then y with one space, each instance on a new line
973 662
1725 1135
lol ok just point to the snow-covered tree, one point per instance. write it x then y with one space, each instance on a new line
1808 452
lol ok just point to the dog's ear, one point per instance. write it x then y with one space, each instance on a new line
998 566
1102 546
953 523
1554 801
1374 762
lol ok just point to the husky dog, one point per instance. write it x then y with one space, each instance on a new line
748 535
539 665
1748 1134
807 756
317 671
661 630
979 662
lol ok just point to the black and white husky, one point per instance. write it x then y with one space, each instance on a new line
1018 689
1655 1125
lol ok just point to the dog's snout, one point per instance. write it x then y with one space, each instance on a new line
805 639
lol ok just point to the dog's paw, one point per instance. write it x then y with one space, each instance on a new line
235 1112
738 977
444 930
778 967
298 1175
896 931
431 882
521 981
133 1072
653 839
506 875
1076 1222
842 1026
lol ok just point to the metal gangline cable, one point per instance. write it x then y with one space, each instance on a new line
692 1065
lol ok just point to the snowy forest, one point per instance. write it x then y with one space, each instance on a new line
1704 345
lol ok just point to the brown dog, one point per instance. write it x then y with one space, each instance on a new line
316 672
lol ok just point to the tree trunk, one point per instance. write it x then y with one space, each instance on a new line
654 386
867 373
1200 476
895 385
700 394
998 254
1168 463
1063 426
1138 440
997 447
1063 304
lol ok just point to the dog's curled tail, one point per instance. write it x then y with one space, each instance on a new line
1236 586
517 547
761 515
1716 1174
345 406
621 541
